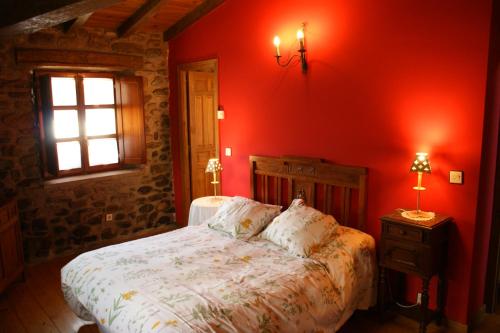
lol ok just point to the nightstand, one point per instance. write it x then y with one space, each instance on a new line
418 248
204 208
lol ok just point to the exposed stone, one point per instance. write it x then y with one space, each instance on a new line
146 208
155 197
112 208
152 217
153 52
61 218
144 189
96 220
165 220
99 204
107 234
90 239
59 229
162 91
62 212
39 226
124 224
6 164
23 203
126 47
81 230
43 245
81 191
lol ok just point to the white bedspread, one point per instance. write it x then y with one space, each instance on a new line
198 280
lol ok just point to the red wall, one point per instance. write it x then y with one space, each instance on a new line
385 80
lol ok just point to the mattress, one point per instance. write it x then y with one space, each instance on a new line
196 279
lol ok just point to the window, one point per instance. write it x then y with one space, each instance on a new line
90 122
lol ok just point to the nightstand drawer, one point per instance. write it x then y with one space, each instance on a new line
404 256
403 232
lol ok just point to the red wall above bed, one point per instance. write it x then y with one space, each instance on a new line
385 80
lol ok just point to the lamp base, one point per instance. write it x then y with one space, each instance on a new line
418 215
216 199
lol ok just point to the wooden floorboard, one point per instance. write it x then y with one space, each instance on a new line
9 322
30 313
47 295
38 306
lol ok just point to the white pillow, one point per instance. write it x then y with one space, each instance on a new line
242 217
301 230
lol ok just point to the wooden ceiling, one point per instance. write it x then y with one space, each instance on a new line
122 16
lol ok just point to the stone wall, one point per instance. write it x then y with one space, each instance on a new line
65 218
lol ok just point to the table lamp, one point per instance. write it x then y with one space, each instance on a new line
420 165
214 166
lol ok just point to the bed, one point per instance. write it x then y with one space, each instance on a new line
196 279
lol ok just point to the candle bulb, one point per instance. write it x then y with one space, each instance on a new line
300 38
277 42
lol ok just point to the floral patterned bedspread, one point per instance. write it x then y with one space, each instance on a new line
197 279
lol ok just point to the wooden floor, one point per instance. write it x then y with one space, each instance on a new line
37 306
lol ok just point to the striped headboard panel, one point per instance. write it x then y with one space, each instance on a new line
334 189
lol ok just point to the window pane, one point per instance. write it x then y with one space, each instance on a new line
63 91
100 121
66 124
103 151
98 91
68 155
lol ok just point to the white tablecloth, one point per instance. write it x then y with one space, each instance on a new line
203 208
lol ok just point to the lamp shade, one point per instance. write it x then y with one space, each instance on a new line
213 165
421 163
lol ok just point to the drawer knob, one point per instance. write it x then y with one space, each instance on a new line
402 232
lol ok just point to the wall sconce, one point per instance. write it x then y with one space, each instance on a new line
301 50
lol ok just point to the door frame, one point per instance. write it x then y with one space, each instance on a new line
492 287
210 66
491 292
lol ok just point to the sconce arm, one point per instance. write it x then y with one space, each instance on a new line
278 58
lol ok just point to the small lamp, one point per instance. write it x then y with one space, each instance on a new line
420 165
214 166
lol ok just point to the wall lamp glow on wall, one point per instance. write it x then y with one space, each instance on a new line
301 50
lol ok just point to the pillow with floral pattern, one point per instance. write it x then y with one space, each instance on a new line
300 229
243 218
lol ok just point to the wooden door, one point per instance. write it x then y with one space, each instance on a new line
203 139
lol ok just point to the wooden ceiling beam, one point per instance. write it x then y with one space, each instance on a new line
28 16
200 11
141 15
76 23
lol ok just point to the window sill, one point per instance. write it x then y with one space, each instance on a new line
94 176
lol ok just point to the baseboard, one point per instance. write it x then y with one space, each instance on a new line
451 325
478 317
456 327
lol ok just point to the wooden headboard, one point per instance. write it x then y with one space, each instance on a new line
334 189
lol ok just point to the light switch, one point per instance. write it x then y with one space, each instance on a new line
456 177
228 151
220 114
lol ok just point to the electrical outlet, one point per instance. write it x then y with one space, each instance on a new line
228 151
220 114
456 177
109 217
419 298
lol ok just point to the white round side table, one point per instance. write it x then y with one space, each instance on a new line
204 208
